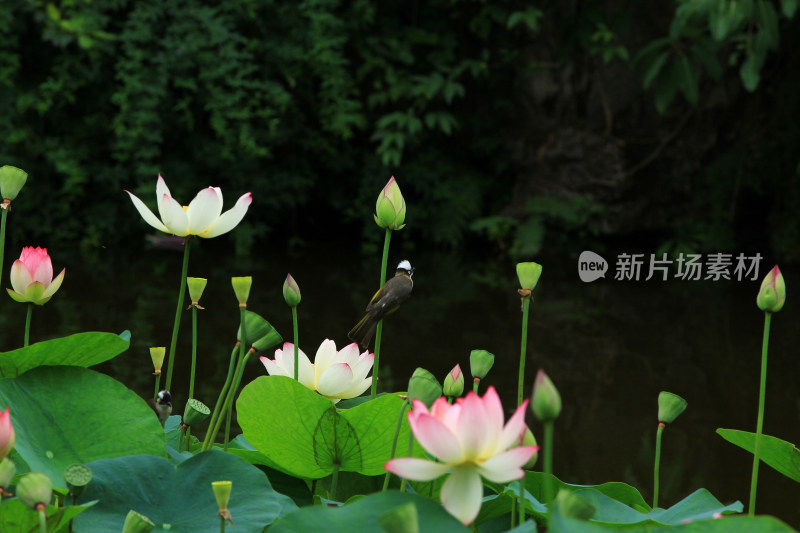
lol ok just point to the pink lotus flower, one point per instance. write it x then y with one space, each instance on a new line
335 375
469 440
32 277
6 434
201 217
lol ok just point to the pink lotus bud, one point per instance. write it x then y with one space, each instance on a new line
291 291
772 294
546 402
32 277
6 434
454 382
390 209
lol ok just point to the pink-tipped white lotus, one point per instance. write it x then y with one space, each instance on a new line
32 277
202 217
335 375
469 440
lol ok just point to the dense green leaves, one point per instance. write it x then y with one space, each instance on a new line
65 415
16 516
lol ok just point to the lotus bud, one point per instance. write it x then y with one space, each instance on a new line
424 387
11 181
401 519
390 209
7 435
480 362
157 355
196 288
546 402
195 413
137 523
670 406
77 477
528 274
454 382
241 286
291 291
772 294
35 490
529 440
7 472
222 492
574 505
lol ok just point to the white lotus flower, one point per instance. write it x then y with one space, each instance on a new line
202 217
335 375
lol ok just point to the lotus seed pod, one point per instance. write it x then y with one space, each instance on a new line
222 492
137 523
195 413
670 406
196 288
11 181
241 287
480 362
424 387
77 477
157 355
546 402
528 274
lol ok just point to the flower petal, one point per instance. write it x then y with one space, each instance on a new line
174 217
363 365
336 379
55 285
471 427
436 438
514 428
161 190
349 354
416 469
507 466
230 218
462 493
495 416
147 215
20 276
203 210
17 297
356 389
326 354
273 368
43 272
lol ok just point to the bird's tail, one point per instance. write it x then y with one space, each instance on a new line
363 331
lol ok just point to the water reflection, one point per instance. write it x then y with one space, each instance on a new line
609 346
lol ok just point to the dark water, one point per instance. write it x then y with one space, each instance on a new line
609 346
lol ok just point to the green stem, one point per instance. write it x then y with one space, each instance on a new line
28 324
657 465
410 454
475 383
237 377
180 441
221 524
522 500
158 383
208 441
548 461
513 513
194 350
42 519
526 303
394 442
3 215
188 439
334 480
379 328
760 424
176 325
296 344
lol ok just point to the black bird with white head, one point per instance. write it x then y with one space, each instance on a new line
162 405
394 292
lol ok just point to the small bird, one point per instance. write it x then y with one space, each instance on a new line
394 292
162 405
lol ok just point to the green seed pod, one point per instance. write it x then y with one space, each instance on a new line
34 489
196 288
574 505
195 413
222 492
77 477
424 387
157 355
546 402
528 274
7 472
670 406
137 523
11 181
480 362
241 286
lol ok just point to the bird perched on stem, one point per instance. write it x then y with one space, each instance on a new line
162 405
394 292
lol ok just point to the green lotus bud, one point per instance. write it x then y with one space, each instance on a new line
480 362
260 334
670 406
137 523
7 472
390 209
157 355
195 413
424 387
11 181
222 492
529 440
77 477
401 519
772 294
454 382
241 286
546 402
528 274
573 505
35 490
291 291
196 288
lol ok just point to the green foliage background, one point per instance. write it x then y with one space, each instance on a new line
313 105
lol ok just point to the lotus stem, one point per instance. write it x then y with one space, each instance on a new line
237 376
194 351
158 383
3 215
296 344
221 524
760 424
657 466
522 500
410 454
334 480
475 384
526 303
42 511
379 328
208 441
394 441
28 324
176 325
548 461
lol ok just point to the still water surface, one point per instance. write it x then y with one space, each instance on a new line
609 346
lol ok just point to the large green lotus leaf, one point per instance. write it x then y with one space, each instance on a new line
727 524
82 349
362 515
781 455
67 414
16 516
303 434
179 497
